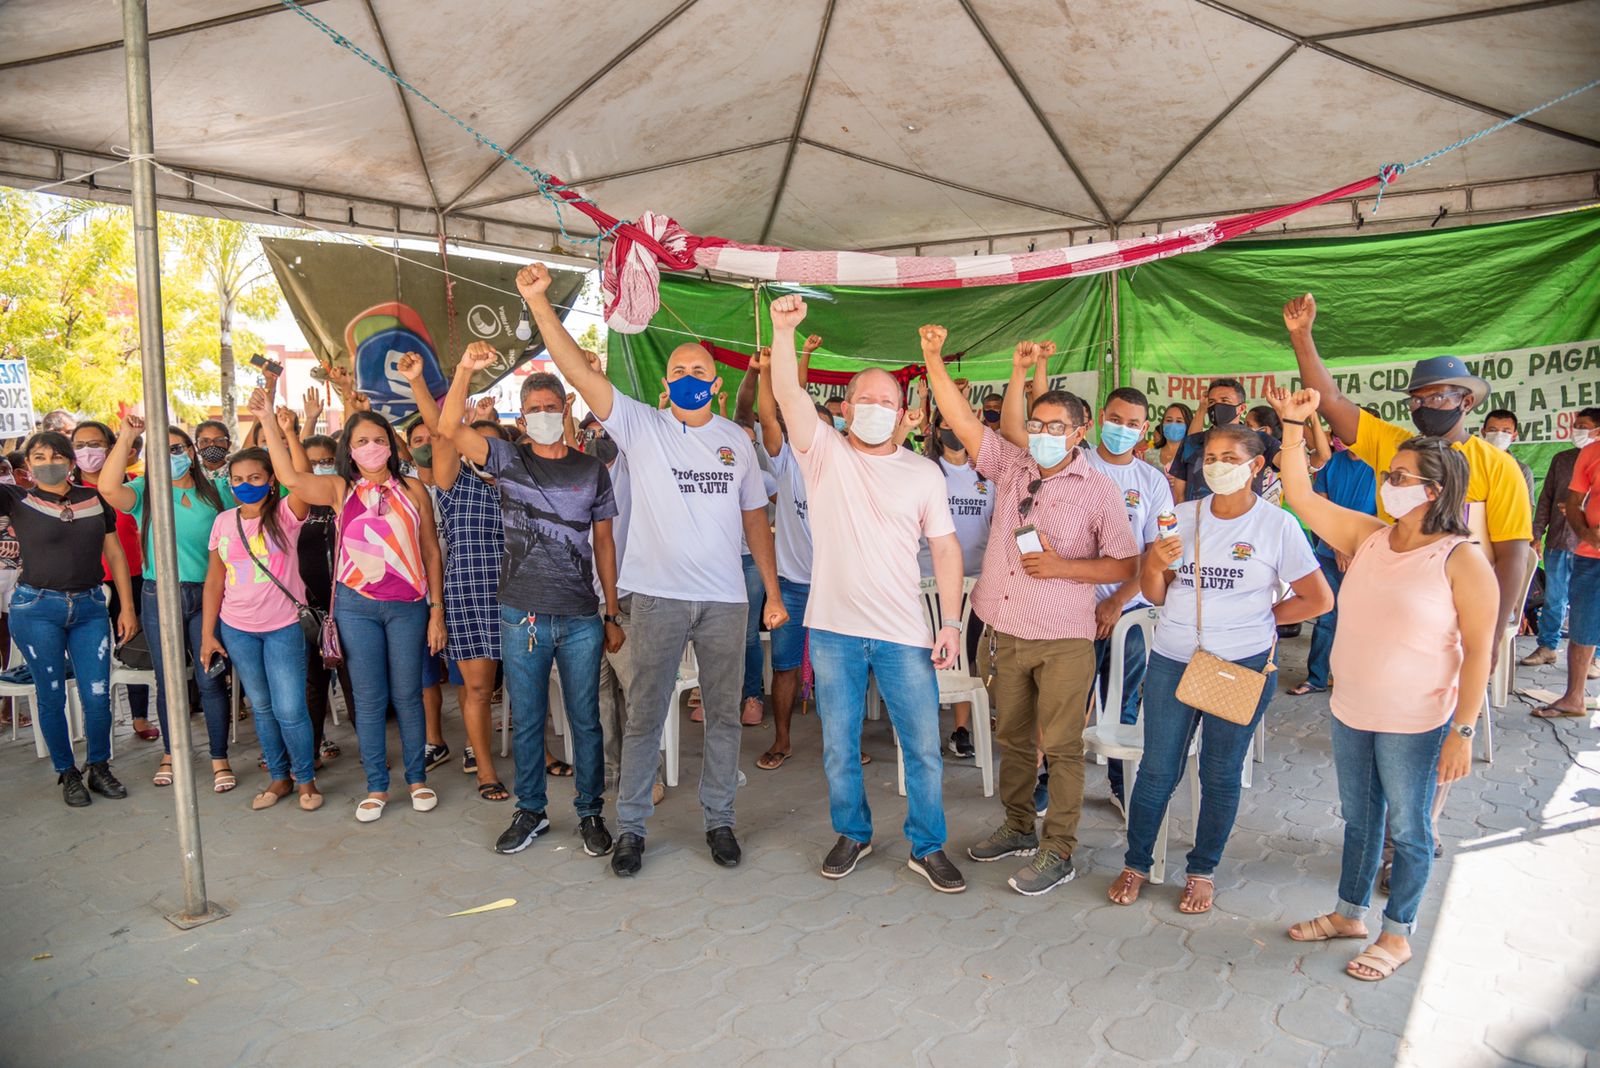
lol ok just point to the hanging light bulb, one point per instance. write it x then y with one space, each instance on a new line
524 329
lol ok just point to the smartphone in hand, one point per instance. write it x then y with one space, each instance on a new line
1028 540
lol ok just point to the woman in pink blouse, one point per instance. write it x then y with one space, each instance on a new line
1416 624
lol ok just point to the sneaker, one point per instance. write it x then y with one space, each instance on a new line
841 859
628 857
525 827
961 743
1539 656
469 761
73 792
434 755
724 846
1041 796
752 712
102 782
942 875
1005 842
1117 803
1048 871
596 839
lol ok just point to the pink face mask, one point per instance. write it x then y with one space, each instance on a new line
371 456
91 458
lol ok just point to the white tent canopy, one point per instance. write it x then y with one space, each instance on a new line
944 126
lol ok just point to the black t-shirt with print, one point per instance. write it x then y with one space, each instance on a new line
58 553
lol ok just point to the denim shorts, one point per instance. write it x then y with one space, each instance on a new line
1583 601
789 640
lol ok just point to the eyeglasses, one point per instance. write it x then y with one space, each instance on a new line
1055 427
177 450
1397 478
1442 400
1026 504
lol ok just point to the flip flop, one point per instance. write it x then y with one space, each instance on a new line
486 789
1320 929
560 769
771 760
1305 688
1552 712
1378 959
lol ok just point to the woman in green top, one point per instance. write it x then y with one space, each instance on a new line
196 502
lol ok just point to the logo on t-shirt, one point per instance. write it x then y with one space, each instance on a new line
981 488
1243 550
1131 498
725 454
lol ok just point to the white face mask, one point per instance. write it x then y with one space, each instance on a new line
544 427
1500 439
1224 478
1581 437
873 423
323 468
1402 500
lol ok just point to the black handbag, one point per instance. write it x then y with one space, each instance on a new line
311 620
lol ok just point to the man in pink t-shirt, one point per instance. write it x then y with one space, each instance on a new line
871 503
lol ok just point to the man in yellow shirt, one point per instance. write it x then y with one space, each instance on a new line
1442 392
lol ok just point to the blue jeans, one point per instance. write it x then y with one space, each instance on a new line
789 640
1322 632
380 641
272 667
213 693
574 644
1133 665
1381 776
1584 626
1169 725
49 627
756 593
911 691
1553 616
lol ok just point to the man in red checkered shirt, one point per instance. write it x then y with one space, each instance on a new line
1060 527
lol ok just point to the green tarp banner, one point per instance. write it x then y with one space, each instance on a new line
863 327
361 309
1518 301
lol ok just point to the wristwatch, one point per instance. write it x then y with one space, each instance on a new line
1466 730
607 618
955 624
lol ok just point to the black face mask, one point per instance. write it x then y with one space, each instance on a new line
214 454
603 449
990 416
1437 422
1223 414
950 441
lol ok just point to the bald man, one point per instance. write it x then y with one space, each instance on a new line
871 503
694 487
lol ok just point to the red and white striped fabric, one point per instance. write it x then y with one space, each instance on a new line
631 282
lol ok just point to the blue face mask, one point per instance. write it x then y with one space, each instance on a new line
1117 438
839 424
180 465
250 493
1047 450
1174 432
690 393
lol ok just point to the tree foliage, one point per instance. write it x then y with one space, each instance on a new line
68 304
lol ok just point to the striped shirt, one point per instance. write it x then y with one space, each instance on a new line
1078 510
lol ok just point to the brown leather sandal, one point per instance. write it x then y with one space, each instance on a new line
1125 889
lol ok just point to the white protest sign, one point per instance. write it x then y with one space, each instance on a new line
16 400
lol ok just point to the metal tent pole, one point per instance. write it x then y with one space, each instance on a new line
158 476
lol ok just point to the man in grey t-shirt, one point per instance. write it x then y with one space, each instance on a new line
553 499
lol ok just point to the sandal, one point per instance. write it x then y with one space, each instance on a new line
1305 688
1552 712
1377 959
772 760
1190 893
866 758
559 769
163 776
223 780
1125 889
330 751
1321 929
493 791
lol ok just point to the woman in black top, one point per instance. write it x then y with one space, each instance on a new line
316 548
59 608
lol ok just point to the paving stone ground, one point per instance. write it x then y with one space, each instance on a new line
340 950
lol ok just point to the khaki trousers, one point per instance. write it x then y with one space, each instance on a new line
1042 692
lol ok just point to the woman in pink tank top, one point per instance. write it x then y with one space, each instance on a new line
1411 660
388 598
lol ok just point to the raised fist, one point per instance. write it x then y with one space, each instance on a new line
260 403
485 408
1300 313
533 280
410 368
480 355
788 312
933 338
813 343
1025 355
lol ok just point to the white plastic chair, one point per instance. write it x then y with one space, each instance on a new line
19 692
1112 739
558 714
1502 680
672 730
956 685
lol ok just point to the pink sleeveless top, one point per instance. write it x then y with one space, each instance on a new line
1397 651
380 543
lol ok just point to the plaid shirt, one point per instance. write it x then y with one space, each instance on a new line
1078 510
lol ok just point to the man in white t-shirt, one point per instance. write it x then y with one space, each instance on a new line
694 487
1146 493
870 503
